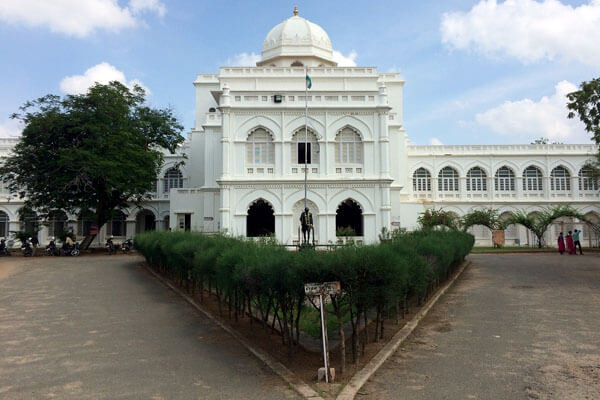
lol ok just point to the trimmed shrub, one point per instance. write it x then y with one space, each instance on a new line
265 280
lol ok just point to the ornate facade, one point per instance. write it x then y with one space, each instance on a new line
246 156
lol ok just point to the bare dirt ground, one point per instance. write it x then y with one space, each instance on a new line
514 327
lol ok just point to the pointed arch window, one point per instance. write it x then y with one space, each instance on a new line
3 224
173 179
476 180
586 180
448 180
302 147
532 179
422 180
504 180
348 147
260 148
560 179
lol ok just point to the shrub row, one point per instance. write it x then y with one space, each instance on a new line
266 280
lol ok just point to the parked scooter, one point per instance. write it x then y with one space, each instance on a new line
126 246
51 249
110 246
4 248
70 249
26 248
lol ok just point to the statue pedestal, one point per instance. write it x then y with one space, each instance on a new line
306 246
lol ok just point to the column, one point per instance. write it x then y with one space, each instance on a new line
574 194
225 106
384 140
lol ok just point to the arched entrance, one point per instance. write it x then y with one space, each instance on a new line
145 221
260 220
349 219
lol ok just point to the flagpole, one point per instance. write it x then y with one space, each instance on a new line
305 133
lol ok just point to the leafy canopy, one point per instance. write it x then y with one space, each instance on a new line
585 104
95 151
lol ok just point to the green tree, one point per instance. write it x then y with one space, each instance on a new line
539 222
96 151
585 104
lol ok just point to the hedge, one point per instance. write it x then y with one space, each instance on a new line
266 281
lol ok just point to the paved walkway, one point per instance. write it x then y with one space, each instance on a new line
99 327
514 327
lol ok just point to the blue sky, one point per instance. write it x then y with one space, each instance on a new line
477 72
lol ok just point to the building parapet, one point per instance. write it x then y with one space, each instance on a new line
501 149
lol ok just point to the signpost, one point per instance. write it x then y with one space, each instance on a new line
321 290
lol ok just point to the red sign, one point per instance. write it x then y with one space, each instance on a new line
93 230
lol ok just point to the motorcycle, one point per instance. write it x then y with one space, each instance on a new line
51 249
4 248
126 246
71 250
110 246
26 248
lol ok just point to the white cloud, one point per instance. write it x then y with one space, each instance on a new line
529 119
345 61
435 142
11 128
102 73
527 30
244 60
77 17
138 6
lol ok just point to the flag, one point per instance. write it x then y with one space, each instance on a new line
308 81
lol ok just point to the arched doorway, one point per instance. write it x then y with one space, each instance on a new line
349 219
260 220
145 221
3 224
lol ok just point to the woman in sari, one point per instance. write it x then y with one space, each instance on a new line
570 244
561 244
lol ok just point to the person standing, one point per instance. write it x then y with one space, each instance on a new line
561 243
34 244
576 242
570 244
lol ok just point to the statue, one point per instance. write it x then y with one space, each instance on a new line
306 220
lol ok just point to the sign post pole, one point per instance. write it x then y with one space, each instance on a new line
323 333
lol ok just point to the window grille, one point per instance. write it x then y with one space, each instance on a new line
173 179
476 180
422 180
505 180
260 148
448 180
560 180
532 179
298 144
586 180
348 149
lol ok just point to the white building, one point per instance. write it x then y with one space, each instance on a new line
245 168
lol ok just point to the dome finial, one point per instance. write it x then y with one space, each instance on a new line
295 10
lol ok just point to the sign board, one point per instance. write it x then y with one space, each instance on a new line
498 238
395 223
93 230
209 218
315 289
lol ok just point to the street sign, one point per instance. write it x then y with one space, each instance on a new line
209 218
395 223
315 289
322 290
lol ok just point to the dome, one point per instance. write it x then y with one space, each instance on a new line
297 37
